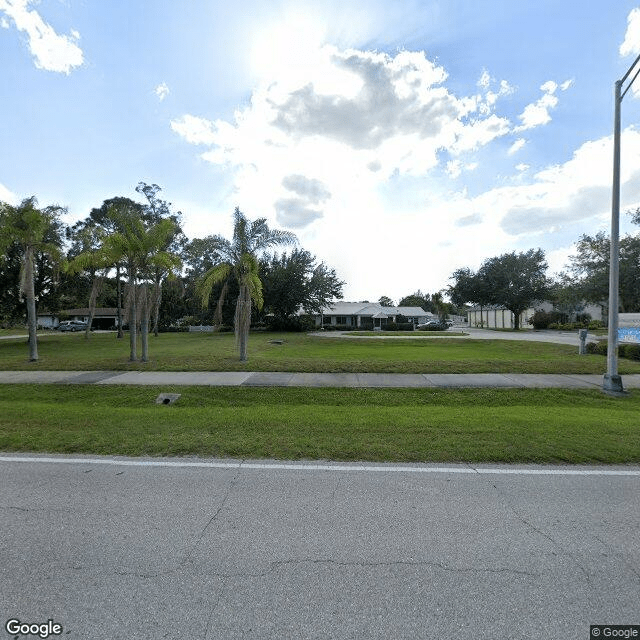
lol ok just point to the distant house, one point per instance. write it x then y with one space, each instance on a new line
368 315
106 318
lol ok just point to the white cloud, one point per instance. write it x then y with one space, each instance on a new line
522 167
566 84
353 118
162 91
516 146
564 194
454 168
51 51
7 196
536 114
195 130
485 79
631 44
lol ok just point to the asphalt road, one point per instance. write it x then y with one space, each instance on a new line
170 549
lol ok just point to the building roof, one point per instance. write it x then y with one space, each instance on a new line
99 312
414 311
373 309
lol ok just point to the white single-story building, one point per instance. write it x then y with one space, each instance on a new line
492 317
368 314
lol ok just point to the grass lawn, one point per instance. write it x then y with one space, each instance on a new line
20 331
402 425
216 352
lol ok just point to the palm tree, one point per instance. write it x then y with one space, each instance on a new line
140 248
88 234
442 307
28 227
240 260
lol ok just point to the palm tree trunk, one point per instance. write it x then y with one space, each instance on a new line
30 295
243 321
133 317
95 290
119 301
144 321
157 299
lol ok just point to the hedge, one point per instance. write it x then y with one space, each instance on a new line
627 350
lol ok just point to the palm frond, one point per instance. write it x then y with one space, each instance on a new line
204 286
254 285
87 261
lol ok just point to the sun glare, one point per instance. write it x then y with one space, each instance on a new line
287 49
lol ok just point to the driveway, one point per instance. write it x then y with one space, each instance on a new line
558 337
204 549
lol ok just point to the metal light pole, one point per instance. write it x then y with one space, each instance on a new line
612 380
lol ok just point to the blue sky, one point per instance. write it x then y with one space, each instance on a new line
399 140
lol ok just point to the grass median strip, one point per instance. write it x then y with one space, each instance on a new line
399 425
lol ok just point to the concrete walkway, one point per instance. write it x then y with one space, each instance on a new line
287 379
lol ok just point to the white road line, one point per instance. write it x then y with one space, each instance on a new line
555 471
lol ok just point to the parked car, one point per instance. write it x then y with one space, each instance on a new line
72 325
434 325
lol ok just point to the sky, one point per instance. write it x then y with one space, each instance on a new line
399 140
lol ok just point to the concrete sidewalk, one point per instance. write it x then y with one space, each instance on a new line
285 379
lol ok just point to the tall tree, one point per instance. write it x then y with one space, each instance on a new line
590 269
385 301
469 288
156 210
87 236
441 305
294 281
418 299
239 260
28 227
516 280
140 247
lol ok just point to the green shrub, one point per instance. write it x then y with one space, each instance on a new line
542 319
296 324
596 324
338 327
566 326
598 348
433 327
398 326
627 350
